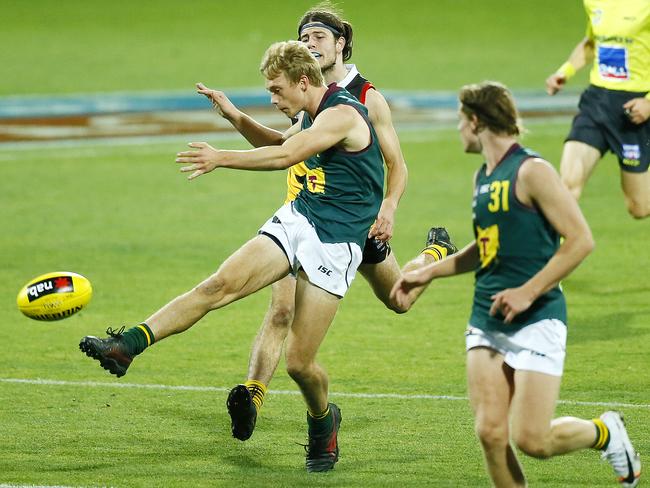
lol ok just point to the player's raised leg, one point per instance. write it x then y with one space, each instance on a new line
256 264
538 435
438 246
381 277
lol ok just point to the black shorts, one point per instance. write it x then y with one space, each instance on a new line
375 251
603 124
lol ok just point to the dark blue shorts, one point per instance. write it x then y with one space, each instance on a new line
603 124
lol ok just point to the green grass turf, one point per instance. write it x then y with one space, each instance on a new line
124 217
91 45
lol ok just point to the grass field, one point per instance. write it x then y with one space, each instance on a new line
89 46
122 216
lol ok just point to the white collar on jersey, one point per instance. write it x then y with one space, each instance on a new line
352 72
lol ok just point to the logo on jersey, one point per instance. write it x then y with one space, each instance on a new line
487 241
613 63
315 180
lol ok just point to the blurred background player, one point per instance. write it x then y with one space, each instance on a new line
615 108
516 337
329 38
318 237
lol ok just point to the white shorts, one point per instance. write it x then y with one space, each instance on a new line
539 347
331 267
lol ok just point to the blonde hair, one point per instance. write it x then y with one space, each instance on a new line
294 60
493 105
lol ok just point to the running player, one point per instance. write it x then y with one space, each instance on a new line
516 336
614 110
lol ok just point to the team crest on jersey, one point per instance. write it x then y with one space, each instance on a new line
315 180
487 241
613 63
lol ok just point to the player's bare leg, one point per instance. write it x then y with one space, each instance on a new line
315 311
267 348
438 246
636 187
381 277
534 430
490 385
245 400
577 163
256 264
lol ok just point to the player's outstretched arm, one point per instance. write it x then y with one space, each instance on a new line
539 184
410 286
581 55
334 125
257 134
396 171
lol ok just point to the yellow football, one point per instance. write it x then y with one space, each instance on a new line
54 296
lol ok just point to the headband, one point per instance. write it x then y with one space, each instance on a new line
310 25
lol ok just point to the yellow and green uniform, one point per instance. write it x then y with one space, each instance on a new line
358 86
620 30
515 241
342 190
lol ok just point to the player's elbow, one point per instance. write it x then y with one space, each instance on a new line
586 244
283 160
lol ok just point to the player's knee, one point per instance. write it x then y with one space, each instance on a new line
574 183
532 445
395 307
638 209
297 369
213 291
281 315
299 363
492 434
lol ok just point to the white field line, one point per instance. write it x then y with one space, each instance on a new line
397 396
5 485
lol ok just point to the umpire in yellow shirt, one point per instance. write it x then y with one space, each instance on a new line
615 108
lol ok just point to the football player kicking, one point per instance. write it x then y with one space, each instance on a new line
329 39
516 336
318 237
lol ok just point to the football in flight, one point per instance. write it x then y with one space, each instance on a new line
54 296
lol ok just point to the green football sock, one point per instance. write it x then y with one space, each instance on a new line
138 338
320 425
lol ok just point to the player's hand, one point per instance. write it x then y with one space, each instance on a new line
382 229
202 161
555 83
401 292
219 101
510 302
638 110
